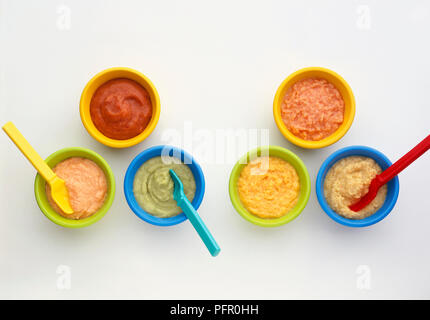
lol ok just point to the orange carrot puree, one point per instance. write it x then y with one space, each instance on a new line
313 109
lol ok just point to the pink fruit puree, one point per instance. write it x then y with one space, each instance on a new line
86 184
312 109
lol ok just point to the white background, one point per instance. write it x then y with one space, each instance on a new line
218 65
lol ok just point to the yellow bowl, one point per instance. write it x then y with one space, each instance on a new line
338 82
97 81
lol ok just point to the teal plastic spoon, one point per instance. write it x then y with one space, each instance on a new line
193 216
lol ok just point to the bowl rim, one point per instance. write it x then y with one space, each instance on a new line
291 158
329 162
337 135
84 111
39 190
150 153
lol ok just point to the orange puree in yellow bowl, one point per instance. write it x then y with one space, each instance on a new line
269 187
86 184
313 109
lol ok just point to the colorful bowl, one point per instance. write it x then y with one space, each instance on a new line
157 151
338 82
40 184
97 81
305 185
382 161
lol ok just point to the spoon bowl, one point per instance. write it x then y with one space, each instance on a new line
40 187
157 151
392 186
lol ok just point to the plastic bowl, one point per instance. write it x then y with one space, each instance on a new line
97 81
290 157
40 184
382 161
338 82
156 152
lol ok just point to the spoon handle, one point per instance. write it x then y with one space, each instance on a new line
31 154
405 161
199 225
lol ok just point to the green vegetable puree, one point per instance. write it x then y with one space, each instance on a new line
153 186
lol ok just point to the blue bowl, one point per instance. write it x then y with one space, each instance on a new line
384 163
156 152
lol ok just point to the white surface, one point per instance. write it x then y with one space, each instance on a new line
217 64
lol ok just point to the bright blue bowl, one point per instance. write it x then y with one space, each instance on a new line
384 163
156 152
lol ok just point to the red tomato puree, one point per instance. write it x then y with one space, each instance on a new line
121 109
312 109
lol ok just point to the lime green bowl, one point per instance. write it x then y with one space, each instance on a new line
42 201
290 157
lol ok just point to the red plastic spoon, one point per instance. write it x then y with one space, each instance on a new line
390 173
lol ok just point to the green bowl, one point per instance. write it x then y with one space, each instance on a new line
42 201
305 185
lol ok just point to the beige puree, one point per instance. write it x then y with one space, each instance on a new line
347 181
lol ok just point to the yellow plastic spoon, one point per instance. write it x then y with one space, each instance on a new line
58 186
